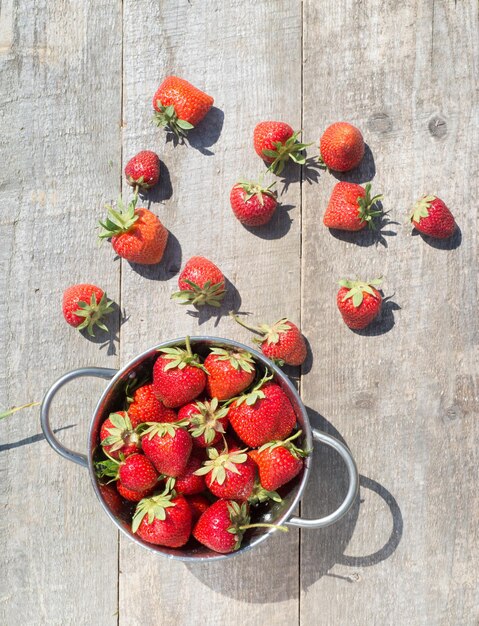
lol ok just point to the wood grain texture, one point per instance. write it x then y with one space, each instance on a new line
404 395
229 52
58 549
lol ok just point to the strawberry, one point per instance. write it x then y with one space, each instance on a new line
198 505
143 170
168 446
351 207
178 376
117 436
207 421
276 142
137 235
135 472
359 302
431 216
222 526
279 462
201 282
147 408
282 342
253 204
84 306
230 372
229 475
130 495
164 520
111 497
179 106
256 416
341 147
189 483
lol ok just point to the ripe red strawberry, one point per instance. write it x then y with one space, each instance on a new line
351 207
179 106
207 421
281 342
431 216
359 302
84 306
341 147
229 475
198 505
279 462
276 142
168 446
143 170
189 482
147 408
117 436
201 282
111 498
164 520
137 235
135 472
222 525
230 372
178 376
256 417
253 204
130 495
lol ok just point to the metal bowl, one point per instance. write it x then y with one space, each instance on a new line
273 513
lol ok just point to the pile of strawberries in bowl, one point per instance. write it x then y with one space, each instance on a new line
199 449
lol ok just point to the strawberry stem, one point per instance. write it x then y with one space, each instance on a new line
188 346
253 329
283 529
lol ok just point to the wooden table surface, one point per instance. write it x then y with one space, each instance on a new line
77 82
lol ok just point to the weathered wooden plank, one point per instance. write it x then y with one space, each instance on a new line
61 154
236 51
405 395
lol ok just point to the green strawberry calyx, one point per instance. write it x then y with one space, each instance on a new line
120 433
298 453
367 206
199 295
152 508
255 394
167 117
421 208
269 332
93 312
181 357
358 288
260 494
119 221
240 522
206 421
255 189
290 149
238 359
108 468
160 429
219 463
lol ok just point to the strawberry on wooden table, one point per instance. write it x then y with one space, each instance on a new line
143 170
179 105
178 376
117 435
222 526
341 147
146 407
137 235
207 421
279 462
359 302
351 207
168 446
276 143
84 306
432 217
253 204
229 475
201 282
164 520
230 372
281 342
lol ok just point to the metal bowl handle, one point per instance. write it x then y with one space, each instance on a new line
76 457
352 490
